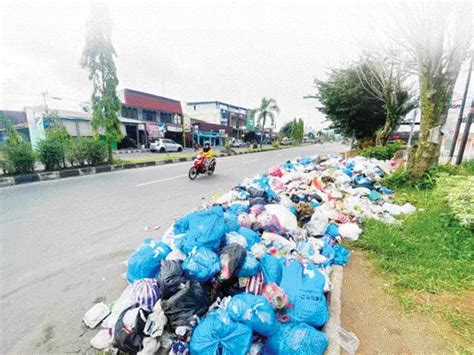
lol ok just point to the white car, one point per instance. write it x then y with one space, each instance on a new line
165 145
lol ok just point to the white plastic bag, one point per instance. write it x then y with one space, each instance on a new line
350 231
287 219
318 223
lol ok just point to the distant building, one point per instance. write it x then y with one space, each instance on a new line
227 118
18 120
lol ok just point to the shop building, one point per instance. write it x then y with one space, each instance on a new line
231 118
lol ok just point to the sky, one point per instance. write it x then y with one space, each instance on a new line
235 52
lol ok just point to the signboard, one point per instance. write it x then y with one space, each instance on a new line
141 127
222 132
250 124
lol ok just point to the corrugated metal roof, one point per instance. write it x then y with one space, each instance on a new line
151 102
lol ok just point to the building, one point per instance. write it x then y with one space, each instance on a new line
147 117
224 117
19 122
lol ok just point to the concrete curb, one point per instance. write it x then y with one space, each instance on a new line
334 305
54 175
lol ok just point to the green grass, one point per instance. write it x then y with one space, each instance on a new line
429 254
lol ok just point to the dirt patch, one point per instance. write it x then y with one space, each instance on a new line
380 323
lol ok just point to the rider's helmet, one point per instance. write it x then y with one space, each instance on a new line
207 146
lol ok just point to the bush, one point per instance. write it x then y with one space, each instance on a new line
51 153
276 144
19 158
76 153
381 153
96 151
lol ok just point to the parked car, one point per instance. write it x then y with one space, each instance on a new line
237 143
165 145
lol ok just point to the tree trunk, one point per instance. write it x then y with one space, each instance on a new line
263 130
382 135
110 157
433 100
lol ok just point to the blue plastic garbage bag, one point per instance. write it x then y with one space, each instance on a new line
374 195
363 181
293 210
328 252
296 339
271 268
385 190
253 311
217 333
238 208
251 266
250 235
347 171
145 261
202 228
314 204
305 161
332 230
304 288
350 165
201 264
289 166
231 221
341 255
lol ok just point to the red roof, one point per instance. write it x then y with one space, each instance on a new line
151 102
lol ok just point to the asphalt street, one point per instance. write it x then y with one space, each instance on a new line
63 242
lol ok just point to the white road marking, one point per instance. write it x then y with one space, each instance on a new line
250 161
161 180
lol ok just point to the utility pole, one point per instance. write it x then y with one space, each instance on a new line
44 94
461 112
467 128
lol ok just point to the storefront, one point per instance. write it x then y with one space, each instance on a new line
203 131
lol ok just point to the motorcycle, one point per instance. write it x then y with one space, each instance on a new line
199 167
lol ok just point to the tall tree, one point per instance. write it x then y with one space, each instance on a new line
433 37
347 104
268 109
98 59
387 83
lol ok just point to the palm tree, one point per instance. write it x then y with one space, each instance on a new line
268 109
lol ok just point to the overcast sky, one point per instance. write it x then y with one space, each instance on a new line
235 52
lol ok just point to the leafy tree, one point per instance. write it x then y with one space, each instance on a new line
386 83
98 59
19 157
347 104
432 38
286 130
58 134
268 109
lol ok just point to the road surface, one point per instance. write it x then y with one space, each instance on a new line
63 242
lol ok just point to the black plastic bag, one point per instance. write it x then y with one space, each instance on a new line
257 201
191 299
130 341
253 192
170 278
232 258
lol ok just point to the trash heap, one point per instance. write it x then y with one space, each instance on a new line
248 272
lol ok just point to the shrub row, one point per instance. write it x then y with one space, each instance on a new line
381 153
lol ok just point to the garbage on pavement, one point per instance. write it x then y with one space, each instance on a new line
249 272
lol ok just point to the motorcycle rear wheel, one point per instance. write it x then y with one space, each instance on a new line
193 173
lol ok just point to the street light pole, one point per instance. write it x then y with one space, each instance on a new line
461 112
467 128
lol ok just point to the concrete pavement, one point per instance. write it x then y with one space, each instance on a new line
63 242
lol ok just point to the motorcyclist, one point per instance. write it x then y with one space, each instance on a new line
207 153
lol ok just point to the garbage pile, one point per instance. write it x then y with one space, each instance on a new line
249 272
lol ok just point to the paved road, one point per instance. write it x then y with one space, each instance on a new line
63 242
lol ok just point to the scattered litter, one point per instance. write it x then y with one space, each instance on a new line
96 314
249 271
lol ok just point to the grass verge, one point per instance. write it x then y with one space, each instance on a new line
428 259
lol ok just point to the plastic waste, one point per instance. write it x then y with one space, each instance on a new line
350 231
130 339
201 264
304 287
217 333
156 322
341 256
276 296
253 311
234 237
145 261
146 293
250 236
318 223
272 268
190 300
102 340
170 278
296 339
232 258
96 314
250 267
285 217
347 340
202 228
